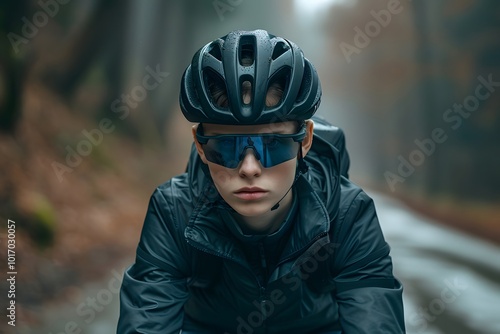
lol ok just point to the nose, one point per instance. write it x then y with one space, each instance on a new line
250 166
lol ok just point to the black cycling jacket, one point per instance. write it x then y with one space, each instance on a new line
336 224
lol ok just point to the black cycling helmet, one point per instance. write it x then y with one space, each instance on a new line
271 59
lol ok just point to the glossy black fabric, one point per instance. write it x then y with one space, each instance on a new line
334 217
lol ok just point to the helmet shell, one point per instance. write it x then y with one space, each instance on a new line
272 58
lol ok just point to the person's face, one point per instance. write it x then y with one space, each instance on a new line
251 189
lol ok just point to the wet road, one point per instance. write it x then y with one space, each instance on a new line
451 280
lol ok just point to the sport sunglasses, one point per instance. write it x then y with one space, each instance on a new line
270 149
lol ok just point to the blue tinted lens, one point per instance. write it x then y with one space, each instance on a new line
269 149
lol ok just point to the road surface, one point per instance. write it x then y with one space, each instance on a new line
451 280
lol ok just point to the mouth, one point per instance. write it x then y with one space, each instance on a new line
250 193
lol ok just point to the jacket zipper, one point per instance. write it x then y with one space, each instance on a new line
262 289
263 260
291 256
262 294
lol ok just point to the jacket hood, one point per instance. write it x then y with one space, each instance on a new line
324 173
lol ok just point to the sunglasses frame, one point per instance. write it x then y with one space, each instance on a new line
296 137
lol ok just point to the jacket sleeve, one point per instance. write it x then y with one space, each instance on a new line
154 288
368 295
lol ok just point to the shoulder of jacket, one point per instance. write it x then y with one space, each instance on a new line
174 189
351 196
329 132
173 199
167 215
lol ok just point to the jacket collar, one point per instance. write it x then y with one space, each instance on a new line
208 232
286 224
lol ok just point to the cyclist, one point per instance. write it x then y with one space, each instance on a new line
264 233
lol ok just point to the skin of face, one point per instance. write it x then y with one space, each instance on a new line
255 215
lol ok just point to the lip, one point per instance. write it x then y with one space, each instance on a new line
250 193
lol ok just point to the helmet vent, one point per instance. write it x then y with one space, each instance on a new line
217 88
279 49
277 86
247 52
246 92
215 51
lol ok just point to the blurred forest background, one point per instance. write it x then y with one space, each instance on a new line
90 122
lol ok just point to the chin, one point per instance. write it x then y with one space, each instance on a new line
251 210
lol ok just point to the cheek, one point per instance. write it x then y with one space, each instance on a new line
220 175
283 173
